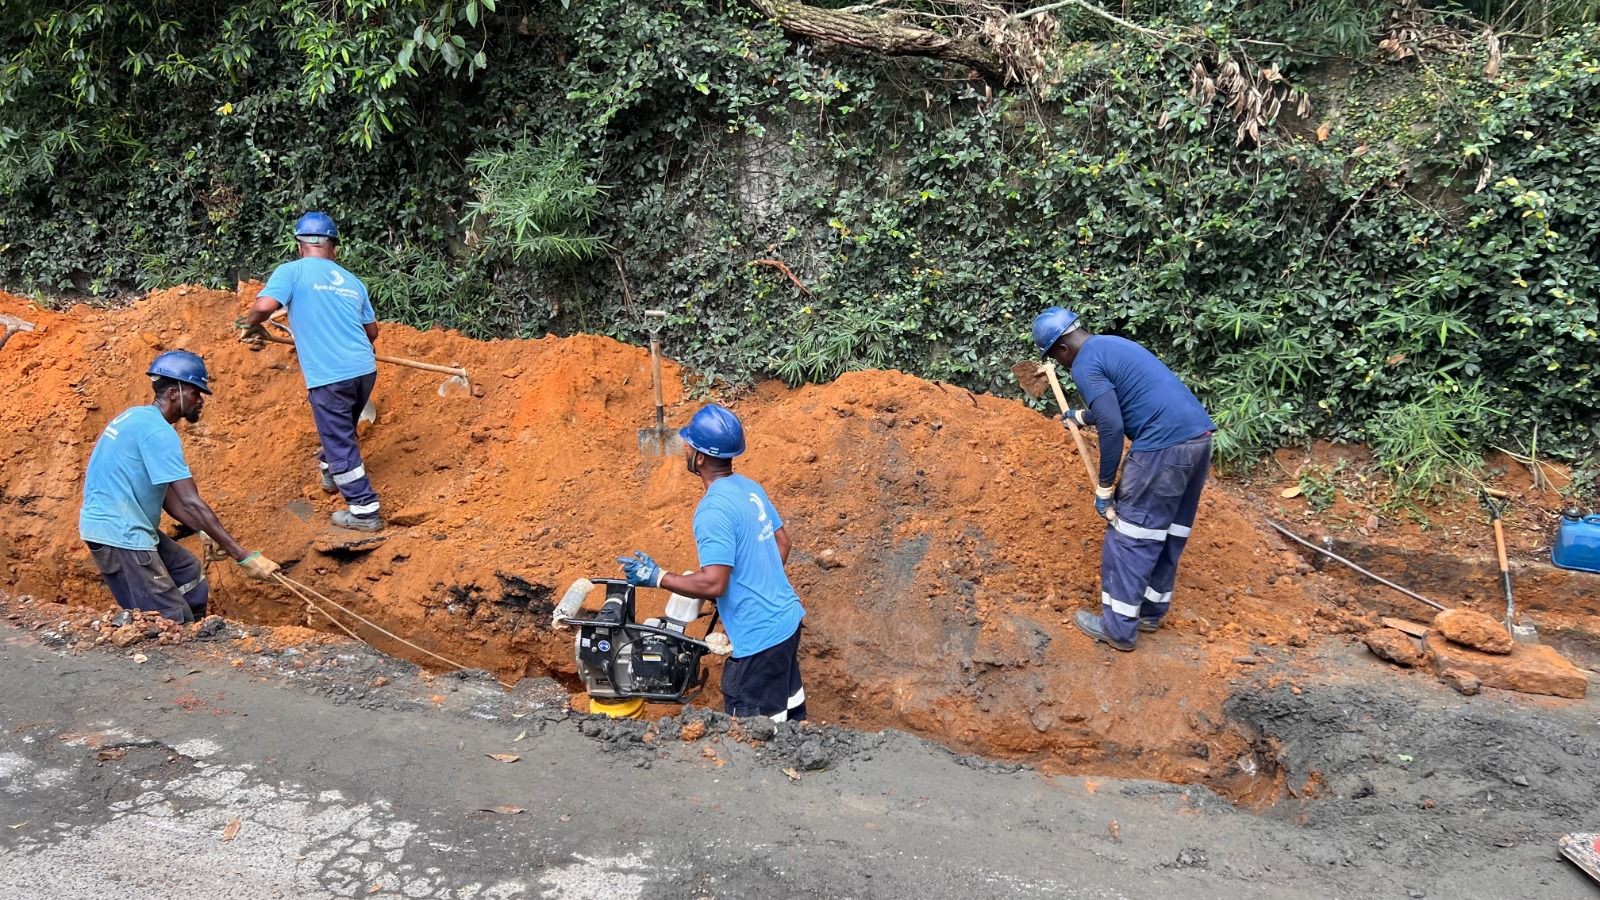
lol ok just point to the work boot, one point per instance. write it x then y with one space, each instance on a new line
328 485
1149 625
344 518
1089 624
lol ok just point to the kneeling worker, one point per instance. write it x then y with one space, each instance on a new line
742 548
137 469
1151 510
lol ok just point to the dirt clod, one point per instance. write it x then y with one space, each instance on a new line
812 755
127 635
1471 628
760 728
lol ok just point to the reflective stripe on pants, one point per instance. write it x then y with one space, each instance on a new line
336 408
1157 499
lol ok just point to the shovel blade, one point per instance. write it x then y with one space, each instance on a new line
369 413
1030 376
455 386
659 442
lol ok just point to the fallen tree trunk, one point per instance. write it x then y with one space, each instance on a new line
883 37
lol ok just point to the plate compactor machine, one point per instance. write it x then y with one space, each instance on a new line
623 662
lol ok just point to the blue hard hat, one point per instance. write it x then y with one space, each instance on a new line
714 431
181 365
1050 325
316 225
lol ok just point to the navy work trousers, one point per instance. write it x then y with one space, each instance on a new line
766 683
336 408
168 580
1157 498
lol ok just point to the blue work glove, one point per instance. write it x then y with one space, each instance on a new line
640 569
1102 502
1076 417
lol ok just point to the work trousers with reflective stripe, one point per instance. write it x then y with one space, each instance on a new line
766 683
1157 498
336 408
168 580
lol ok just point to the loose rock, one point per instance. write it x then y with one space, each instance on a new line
127 635
1464 682
1530 668
1471 628
1393 646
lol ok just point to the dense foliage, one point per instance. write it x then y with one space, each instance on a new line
1413 263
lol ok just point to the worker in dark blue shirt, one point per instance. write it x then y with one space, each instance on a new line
1152 509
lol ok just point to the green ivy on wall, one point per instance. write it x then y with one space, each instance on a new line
1413 264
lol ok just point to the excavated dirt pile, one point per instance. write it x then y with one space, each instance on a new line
942 539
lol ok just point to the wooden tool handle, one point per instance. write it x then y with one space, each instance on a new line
655 373
1500 545
393 360
1061 401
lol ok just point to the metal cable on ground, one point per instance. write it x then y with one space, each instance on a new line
300 590
1337 558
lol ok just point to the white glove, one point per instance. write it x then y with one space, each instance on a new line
719 643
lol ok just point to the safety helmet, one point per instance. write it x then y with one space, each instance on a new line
181 365
1050 325
317 225
714 431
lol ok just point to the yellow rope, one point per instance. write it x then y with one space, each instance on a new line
297 588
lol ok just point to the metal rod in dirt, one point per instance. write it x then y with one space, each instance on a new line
1337 558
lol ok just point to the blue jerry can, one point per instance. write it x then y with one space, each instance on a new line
1577 542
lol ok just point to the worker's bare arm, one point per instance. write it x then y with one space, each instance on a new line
709 583
184 504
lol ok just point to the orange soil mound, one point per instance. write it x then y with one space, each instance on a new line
959 529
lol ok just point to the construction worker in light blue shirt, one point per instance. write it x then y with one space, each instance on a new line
136 471
743 547
334 333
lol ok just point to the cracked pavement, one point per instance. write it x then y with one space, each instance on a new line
121 779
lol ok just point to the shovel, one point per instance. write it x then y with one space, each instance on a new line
369 412
658 440
13 325
456 385
1034 377
1524 633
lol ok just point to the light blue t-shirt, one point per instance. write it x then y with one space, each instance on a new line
1158 410
734 526
137 456
327 309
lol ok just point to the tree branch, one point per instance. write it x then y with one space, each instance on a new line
882 37
1091 8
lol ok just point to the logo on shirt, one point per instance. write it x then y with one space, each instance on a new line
761 516
335 285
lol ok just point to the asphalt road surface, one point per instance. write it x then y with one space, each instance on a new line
192 775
